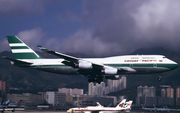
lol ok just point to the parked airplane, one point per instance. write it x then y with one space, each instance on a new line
149 109
4 105
17 104
93 68
164 109
98 105
118 108
122 106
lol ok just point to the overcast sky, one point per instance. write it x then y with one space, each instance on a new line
99 27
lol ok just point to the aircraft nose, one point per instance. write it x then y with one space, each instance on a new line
176 65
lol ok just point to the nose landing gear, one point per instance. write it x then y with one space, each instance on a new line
159 78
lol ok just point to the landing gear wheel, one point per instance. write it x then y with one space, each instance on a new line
159 78
99 79
90 79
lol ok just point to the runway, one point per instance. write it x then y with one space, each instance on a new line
36 112
65 112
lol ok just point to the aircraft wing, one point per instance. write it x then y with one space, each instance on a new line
61 55
84 64
68 57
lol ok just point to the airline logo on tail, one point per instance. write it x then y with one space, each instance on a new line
128 104
121 104
19 102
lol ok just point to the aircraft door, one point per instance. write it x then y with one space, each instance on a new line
155 65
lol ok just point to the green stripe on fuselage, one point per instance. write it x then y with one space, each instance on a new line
12 39
168 66
19 47
25 56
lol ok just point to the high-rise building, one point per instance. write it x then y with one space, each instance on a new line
90 88
71 91
178 96
139 91
163 92
146 95
5 86
170 92
101 89
123 80
50 96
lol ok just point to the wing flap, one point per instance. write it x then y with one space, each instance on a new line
61 55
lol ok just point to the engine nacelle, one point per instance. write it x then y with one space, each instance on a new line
110 71
85 65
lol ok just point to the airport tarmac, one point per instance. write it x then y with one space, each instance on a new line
36 112
64 112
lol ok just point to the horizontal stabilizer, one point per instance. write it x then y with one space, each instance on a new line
17 62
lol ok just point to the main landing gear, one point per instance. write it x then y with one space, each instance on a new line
97 79
159 78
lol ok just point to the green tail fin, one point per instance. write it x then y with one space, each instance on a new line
20 50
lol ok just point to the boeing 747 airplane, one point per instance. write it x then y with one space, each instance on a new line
93 68
122 106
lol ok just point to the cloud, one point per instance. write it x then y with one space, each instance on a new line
158 23
10 8
32 37
83 42
4 46
120 27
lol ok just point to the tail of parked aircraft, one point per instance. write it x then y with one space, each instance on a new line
19 102
7 103
98 104
142 106
20 50
128 105
121 104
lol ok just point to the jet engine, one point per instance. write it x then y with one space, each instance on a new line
110 71
85 65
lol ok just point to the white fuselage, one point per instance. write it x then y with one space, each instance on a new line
139 64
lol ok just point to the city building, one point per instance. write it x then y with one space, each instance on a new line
112 86
146 95
50 96
25 97
5 86
58 98
178 96
170 92
91 100
163 92
70 91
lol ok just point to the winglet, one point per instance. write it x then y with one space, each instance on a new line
42 48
